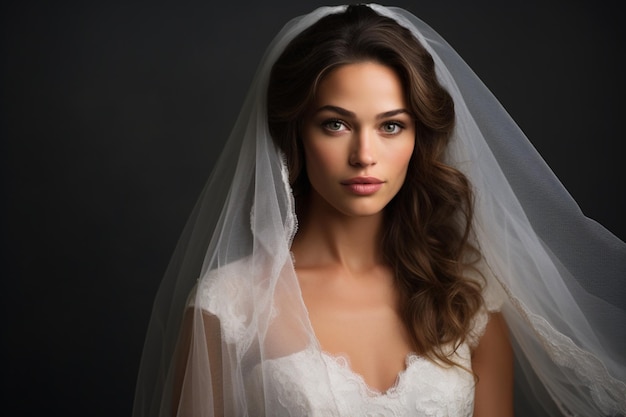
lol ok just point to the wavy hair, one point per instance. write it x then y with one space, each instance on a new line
432 258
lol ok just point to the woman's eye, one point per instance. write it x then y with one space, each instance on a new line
334 125
391 128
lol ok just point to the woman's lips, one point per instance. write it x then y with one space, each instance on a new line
363 185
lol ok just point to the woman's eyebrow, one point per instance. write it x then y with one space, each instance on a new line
339 110
392 113
348 113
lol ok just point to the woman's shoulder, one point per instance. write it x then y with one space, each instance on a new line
493 298
226 292
227 281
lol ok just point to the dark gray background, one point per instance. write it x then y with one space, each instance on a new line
114 112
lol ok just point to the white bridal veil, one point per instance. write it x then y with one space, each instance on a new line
560 274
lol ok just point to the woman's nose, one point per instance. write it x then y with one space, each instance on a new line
363 149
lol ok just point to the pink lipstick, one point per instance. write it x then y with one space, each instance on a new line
363 185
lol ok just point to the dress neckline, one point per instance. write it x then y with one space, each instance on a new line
342 362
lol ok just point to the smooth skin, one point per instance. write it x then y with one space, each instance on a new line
359 127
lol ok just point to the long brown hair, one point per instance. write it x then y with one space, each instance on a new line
432 257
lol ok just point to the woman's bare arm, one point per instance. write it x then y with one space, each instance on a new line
184 403
492 361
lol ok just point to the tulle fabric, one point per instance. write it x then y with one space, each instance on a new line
558 275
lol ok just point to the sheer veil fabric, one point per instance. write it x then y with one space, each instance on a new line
230 299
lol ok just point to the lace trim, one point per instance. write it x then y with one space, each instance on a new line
343 362
607 392
291 220
422 389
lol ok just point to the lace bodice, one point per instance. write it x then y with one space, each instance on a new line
314 383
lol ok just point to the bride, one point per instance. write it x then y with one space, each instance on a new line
374 241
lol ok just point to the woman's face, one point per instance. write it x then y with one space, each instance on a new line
358 138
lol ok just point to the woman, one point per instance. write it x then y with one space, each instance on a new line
415 224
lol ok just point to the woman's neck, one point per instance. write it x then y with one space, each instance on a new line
326 236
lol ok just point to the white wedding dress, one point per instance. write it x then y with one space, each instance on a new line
310 382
